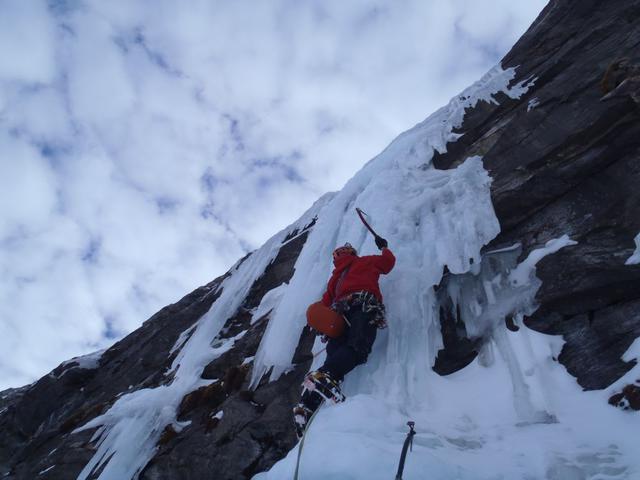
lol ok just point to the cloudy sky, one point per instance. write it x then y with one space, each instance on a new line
146 145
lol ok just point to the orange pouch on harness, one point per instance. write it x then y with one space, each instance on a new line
325 320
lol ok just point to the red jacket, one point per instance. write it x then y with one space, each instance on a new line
362 275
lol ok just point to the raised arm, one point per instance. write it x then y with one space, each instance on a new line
385 261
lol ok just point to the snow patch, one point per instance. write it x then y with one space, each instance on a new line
247 360
88 362
635 258
521 88
533 103
46 470
633 352
218 415
179 426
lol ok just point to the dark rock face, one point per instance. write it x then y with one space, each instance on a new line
605 334
566 161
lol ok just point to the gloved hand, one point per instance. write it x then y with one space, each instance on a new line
381 243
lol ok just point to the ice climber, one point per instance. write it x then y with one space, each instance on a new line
352 291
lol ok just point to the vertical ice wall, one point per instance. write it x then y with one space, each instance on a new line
431 218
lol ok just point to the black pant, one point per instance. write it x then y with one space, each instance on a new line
352 348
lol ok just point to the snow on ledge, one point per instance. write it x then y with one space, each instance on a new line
90 361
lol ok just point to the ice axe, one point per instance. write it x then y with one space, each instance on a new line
377 237
408 444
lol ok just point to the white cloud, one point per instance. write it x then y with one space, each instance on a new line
146 146
99 88
27 184
26 32
42 112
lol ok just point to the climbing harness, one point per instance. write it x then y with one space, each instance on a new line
366 301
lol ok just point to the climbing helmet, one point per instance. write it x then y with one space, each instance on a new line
346 249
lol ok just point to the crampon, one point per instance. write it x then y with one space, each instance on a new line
322 384
318 387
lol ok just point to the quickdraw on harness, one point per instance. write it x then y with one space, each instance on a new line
368 302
